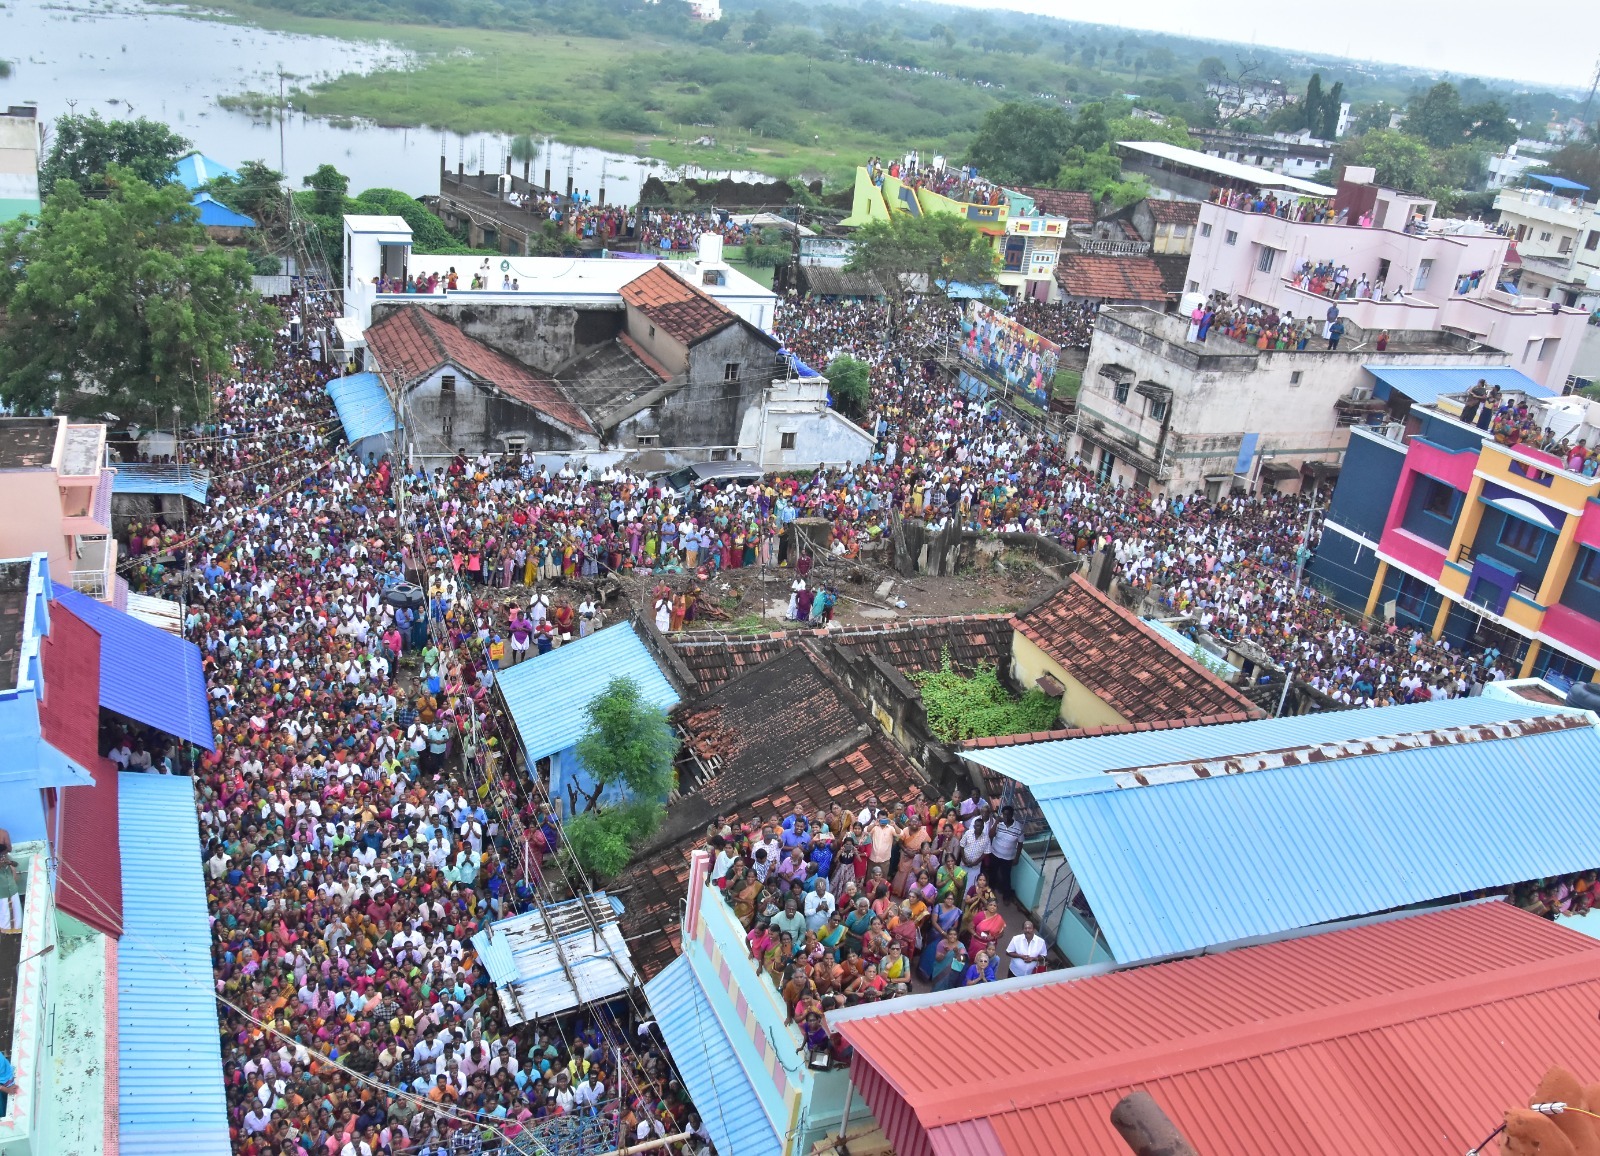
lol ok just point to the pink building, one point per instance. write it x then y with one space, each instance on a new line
1423 274
56 494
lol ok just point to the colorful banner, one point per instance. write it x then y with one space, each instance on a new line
1007 349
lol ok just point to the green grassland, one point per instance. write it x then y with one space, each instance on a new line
785 115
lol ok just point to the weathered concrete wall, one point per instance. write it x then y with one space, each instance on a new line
478 421
710 410
540 336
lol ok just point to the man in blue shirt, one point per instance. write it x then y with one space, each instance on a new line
8 1083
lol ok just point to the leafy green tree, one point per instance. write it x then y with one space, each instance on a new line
1488 123
850 383
83 148
934 250
1401 160
119 302
605 840
259 194
1022 142
1328 127
629 744
1436 116
328 186
766 249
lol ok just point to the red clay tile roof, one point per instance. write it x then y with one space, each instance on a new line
653 886
1125 663
715 658
1411 1035
675 306
764 723
915 645
90 883
1110 278
920 645
412 343
1166 212
1059 202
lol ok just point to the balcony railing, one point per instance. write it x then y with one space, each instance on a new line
94 569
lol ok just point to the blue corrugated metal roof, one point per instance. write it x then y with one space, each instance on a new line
1424 383
711 1070
197 169
145 673
170 1099
1051 767
548 695
363 405
151 478
1558 182
214 214
1186 864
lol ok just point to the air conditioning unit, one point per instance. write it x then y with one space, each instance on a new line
1361 393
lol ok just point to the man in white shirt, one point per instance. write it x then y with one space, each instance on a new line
1027 951
819 905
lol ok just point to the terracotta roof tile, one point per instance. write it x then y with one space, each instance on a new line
1110 278
1167 212
652 888
675 306
1067 203
1125 663
919 645
412 343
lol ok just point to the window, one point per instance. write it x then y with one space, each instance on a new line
1424 271
1561 668
1230 238
1158 408
1522 537
1294 378
713 277
730 371
1205 230
1566 244
788 441
1194 286
1547 351
1412 596
1544 236
652 331
1120 392
447 383
515 445
1589 567
647 439
1440 500
1592 241
1265 258
1180 230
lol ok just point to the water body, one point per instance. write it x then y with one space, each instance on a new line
145 60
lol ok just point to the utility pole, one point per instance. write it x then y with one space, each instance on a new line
283 115
1588 104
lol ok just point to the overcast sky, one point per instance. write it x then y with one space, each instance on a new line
1556 47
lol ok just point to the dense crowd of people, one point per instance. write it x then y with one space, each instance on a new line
868 902
349 854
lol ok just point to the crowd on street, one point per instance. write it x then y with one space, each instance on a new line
351 852
349 855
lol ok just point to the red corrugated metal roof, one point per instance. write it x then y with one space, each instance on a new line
412 343
1406 1036
89 880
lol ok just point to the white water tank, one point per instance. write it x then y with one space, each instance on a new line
710 249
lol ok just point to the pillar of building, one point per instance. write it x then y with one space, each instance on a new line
1377 589
1529 659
